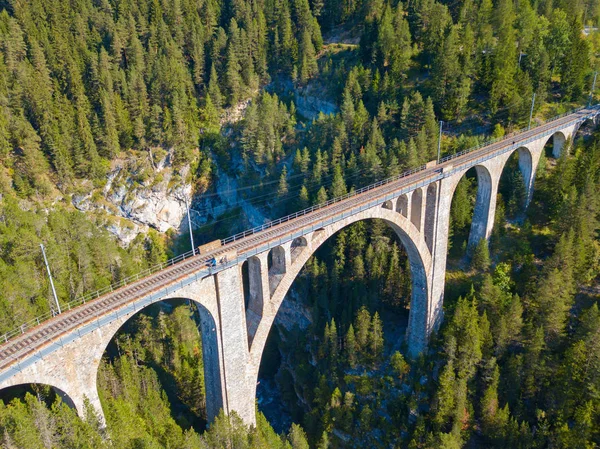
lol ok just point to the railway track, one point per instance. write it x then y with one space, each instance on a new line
48 331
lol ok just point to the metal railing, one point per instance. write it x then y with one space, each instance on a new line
94 295
158 267
488 142
308 210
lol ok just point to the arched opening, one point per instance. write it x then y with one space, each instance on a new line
298 245
277 264
387 205
402 205
246 283
366 264
515 186
555 145
469 213
46 394
165 357
584 131
416 208
430 214
254 296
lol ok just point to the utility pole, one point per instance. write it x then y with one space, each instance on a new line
189 220
50 277
531 112
593 88
440 142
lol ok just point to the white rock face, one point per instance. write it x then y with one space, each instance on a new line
156 207
158 202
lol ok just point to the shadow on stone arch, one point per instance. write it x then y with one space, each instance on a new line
336 280
154 345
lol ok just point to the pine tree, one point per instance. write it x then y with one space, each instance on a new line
489 400
333 343
213 88
297 437
481 256
412 160
376 338
399 365
350 347
303 198
321 196
283 189
233 79
323 442
444 401
338 185
308 59
362 326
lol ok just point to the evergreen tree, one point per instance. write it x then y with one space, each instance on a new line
338 185
376 338
350 347
481 256
283 188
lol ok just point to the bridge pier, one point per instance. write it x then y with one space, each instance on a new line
238 393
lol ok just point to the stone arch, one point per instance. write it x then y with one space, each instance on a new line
387 205
480 224
420 263
277 261
416 207
558 142
20 389
527 163
211 346
430 214
402 205
590 121
71 363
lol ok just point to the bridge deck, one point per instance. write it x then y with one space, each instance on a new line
50 330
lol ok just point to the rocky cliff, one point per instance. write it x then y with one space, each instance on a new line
142 193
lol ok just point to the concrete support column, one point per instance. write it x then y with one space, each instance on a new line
239 397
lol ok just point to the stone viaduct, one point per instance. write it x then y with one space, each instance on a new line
65 351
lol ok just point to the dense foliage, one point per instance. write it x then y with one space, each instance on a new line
235 88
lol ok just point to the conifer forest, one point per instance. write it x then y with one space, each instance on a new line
256 109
